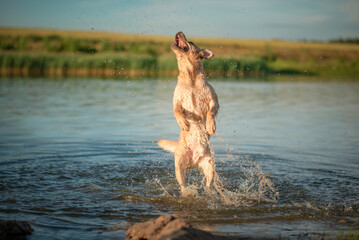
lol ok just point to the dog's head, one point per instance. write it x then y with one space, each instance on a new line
188 53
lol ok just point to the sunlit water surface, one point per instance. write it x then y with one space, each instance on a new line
78 158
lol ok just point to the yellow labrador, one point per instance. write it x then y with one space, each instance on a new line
195 106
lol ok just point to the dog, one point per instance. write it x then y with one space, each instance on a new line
195 106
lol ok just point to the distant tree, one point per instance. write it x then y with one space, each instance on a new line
345 40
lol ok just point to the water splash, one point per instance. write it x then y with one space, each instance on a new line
190 192
251 185
246 185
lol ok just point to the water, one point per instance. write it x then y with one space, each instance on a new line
78 158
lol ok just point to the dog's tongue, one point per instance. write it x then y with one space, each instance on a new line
181 44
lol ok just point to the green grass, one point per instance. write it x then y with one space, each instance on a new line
57 44
232 67
43 51
84 64
334 68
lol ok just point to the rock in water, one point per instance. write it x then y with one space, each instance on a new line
11 229
167 228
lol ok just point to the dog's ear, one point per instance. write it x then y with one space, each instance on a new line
206 53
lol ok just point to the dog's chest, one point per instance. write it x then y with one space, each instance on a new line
195 100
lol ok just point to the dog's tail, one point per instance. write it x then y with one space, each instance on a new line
168 145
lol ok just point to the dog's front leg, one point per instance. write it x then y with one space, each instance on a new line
180 118
210 122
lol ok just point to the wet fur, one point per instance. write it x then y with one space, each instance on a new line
195 106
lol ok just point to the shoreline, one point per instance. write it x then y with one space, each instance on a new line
40 51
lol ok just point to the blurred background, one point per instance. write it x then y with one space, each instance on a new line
119 39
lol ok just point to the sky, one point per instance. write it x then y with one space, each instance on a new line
251 19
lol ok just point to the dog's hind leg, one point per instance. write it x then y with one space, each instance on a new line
207 167
181 164
220 190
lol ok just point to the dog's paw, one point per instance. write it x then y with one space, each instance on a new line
211 127
210 124
211 130
209 192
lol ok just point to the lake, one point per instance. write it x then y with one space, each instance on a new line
79 160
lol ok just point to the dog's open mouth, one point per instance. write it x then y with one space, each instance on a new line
181 41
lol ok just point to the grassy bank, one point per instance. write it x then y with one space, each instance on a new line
80 53
110 65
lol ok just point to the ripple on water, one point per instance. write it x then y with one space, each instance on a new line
88 169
